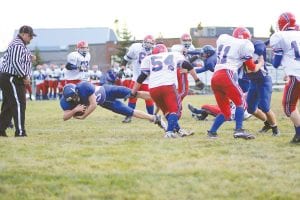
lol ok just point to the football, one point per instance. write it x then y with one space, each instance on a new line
78 114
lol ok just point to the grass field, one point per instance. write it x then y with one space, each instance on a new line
101 158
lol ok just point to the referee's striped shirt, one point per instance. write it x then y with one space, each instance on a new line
17 59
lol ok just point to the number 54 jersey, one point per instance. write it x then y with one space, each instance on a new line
287 44
162 68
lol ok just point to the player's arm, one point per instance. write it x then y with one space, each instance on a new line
71 62
142 77
252 67
188 66
277 58
90 108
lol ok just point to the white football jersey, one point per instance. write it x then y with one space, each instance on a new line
135 55
162 68
127 74
289 43
232 52
94 76
53 74
82 63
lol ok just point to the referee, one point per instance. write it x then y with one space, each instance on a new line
14 75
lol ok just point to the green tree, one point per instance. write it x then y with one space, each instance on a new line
38 60
272 31
124 42
199 26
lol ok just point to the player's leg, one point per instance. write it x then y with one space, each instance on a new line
265 105
290 99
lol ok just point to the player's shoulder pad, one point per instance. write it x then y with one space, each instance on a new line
72 57
88 87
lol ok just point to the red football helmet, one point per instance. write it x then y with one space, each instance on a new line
241 33
286 21
186 40
82 47
148 43
159 48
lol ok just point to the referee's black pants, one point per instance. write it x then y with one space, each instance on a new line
13 104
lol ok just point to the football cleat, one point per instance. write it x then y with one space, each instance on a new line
275 131
212 135
182 132
266 127
170 134
241 133
195 113
247 115
296 139
127 119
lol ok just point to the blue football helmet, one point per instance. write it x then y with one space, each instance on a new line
207 51
70 93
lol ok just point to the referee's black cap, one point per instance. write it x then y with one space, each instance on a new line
27 29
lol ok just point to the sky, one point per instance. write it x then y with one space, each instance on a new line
169 18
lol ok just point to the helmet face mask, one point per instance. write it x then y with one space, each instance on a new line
74 98
207 51
82 47
186 40
70 93
148 43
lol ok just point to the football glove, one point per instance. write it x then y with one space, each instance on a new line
199 84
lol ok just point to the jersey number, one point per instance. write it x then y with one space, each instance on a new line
158 64
222 54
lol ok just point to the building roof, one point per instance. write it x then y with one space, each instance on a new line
61 38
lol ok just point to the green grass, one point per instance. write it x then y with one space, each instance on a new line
102 158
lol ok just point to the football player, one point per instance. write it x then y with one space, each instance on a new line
260 92
184 47
161 70
136 53
80 100
233 51
286 44
78 64
95 75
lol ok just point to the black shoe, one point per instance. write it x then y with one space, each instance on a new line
3 134
266 127
22 135
241 133
198 114
127 120
296 139
275 131
202 116
191 108
212 135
